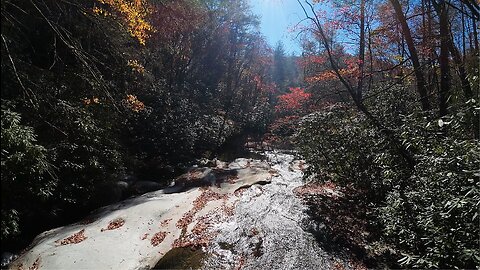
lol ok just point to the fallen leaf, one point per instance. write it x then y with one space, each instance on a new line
74 239
158 238
114 224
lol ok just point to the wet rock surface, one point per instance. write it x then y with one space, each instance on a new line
243 214
136 233
269 229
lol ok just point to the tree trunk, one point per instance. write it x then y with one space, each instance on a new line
443 60
421 88
462 73
475 35
361 54
463 35
389 134
467 89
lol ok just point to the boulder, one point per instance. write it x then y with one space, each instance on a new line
141 187
109 193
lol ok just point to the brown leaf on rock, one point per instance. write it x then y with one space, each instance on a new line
158 238
201 234
199 203
194 240
357 265
345 213
239 192
74 239
301 165
228 210
273 172
328 188
35 265
201 226
186 219
114 224
231 179
338 266
254 232
165 222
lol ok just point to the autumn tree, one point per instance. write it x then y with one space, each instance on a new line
384 140
421 88
279 65
102 89
289 109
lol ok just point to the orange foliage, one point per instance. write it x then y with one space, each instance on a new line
351 72
134 104
328 75
134 13
91 101
136 66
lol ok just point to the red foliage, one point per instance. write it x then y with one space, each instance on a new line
294 100
176 19
281 129
262 86
317 59
284 123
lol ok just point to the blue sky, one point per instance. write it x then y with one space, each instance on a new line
277 17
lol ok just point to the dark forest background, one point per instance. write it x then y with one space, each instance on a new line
383 100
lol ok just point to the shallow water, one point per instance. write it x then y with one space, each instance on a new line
269 228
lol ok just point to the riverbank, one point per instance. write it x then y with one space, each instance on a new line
136 233
243 214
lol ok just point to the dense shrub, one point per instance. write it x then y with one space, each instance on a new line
107 87
339 145
27 177
430 214
444 191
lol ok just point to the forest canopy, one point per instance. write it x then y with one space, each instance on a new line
95 90
383 99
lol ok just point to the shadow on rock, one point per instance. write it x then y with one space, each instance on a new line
202 177
342 225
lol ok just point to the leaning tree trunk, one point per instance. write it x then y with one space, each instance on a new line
361 54
421 88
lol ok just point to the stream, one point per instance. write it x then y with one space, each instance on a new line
243 216
270 228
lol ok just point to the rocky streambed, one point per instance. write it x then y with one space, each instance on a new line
269 228
238 215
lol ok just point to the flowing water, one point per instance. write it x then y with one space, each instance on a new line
266 228
269 229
